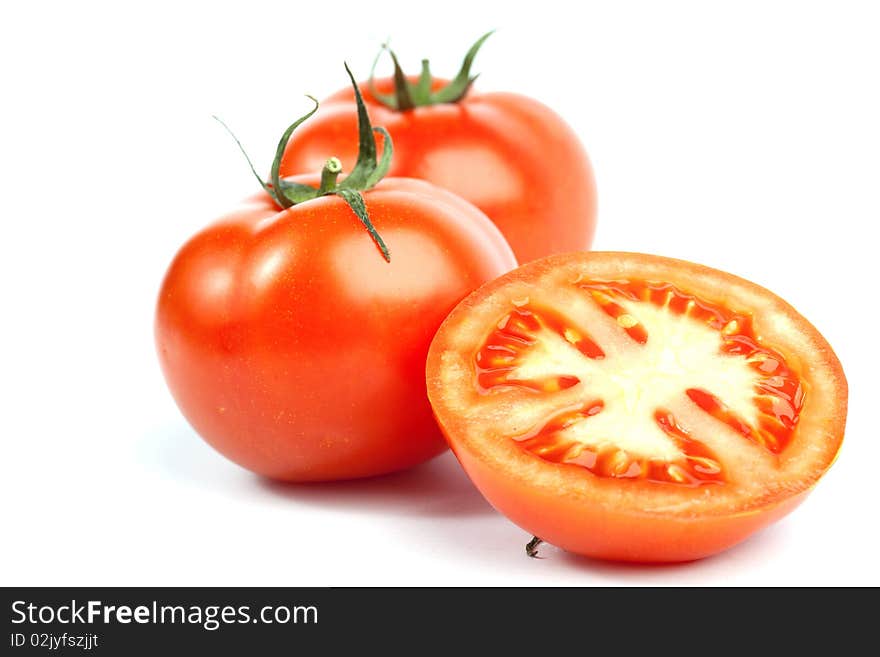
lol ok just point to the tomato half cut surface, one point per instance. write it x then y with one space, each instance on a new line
635 407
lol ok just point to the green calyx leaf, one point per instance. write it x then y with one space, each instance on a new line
369 169
279 197
356 203
408 95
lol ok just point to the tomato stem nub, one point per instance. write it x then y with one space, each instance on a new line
329 174
423 86
532 547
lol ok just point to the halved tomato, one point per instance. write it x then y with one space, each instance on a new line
634 407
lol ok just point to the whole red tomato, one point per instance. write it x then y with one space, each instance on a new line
511 156
294 347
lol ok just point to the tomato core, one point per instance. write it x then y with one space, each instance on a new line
670 336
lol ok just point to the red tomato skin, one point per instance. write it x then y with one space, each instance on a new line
508 154
297 351
603 534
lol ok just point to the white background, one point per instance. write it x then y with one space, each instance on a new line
740 135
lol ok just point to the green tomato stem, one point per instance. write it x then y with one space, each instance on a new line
532 547
329 174
368 170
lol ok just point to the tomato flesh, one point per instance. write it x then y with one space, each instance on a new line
777 390
698 464
645 386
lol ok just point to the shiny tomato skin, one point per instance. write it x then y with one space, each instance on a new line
297 351
508 154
